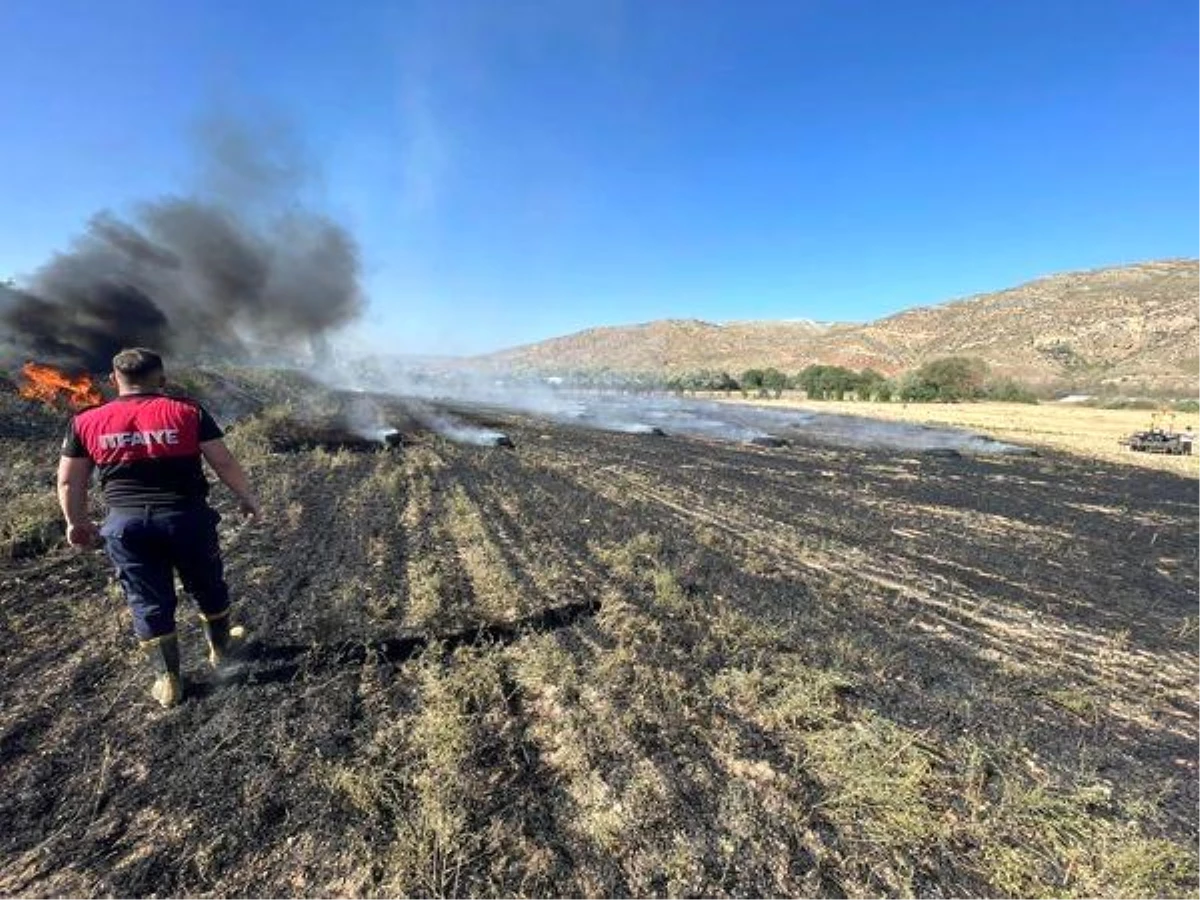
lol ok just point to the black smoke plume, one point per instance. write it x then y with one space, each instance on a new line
228 278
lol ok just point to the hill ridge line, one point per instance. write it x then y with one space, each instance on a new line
1132 327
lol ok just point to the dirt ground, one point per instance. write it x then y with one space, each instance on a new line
603 664
1066 427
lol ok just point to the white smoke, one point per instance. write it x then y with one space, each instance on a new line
444 401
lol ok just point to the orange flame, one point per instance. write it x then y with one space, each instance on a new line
53 386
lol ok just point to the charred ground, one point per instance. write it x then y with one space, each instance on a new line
620 664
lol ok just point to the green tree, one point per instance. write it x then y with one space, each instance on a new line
946 380
712 380
703 380
869 382
726 382
752 380
827 382
805 380
774 381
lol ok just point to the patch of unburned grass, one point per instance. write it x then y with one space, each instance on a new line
430 603
1082 702
496 590
877 780
251 439
1038 841
783 695
438 835
426 587
436 788
1188 630
30 524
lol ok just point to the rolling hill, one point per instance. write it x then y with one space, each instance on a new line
1132 328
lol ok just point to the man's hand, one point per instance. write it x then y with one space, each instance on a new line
248 507
84 534
218 456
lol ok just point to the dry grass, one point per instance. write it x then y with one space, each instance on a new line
1070 428
30 524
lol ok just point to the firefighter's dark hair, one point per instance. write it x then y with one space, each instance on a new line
137 365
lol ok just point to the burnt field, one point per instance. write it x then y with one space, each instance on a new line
598 664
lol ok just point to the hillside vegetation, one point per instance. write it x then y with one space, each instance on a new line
1132 328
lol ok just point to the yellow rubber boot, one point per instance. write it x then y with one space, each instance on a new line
224 640
163 656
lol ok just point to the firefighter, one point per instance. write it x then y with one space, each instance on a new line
148 448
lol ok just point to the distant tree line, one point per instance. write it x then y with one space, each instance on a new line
838 382
947 380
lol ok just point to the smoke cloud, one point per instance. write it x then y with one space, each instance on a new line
231 276
461 405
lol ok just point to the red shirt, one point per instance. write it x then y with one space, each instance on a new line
146 447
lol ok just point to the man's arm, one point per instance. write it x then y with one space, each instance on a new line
73 475
231 474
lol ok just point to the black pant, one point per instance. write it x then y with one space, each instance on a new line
148 546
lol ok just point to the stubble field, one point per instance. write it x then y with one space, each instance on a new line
603 664
1084 431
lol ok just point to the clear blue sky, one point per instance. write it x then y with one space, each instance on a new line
515 170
